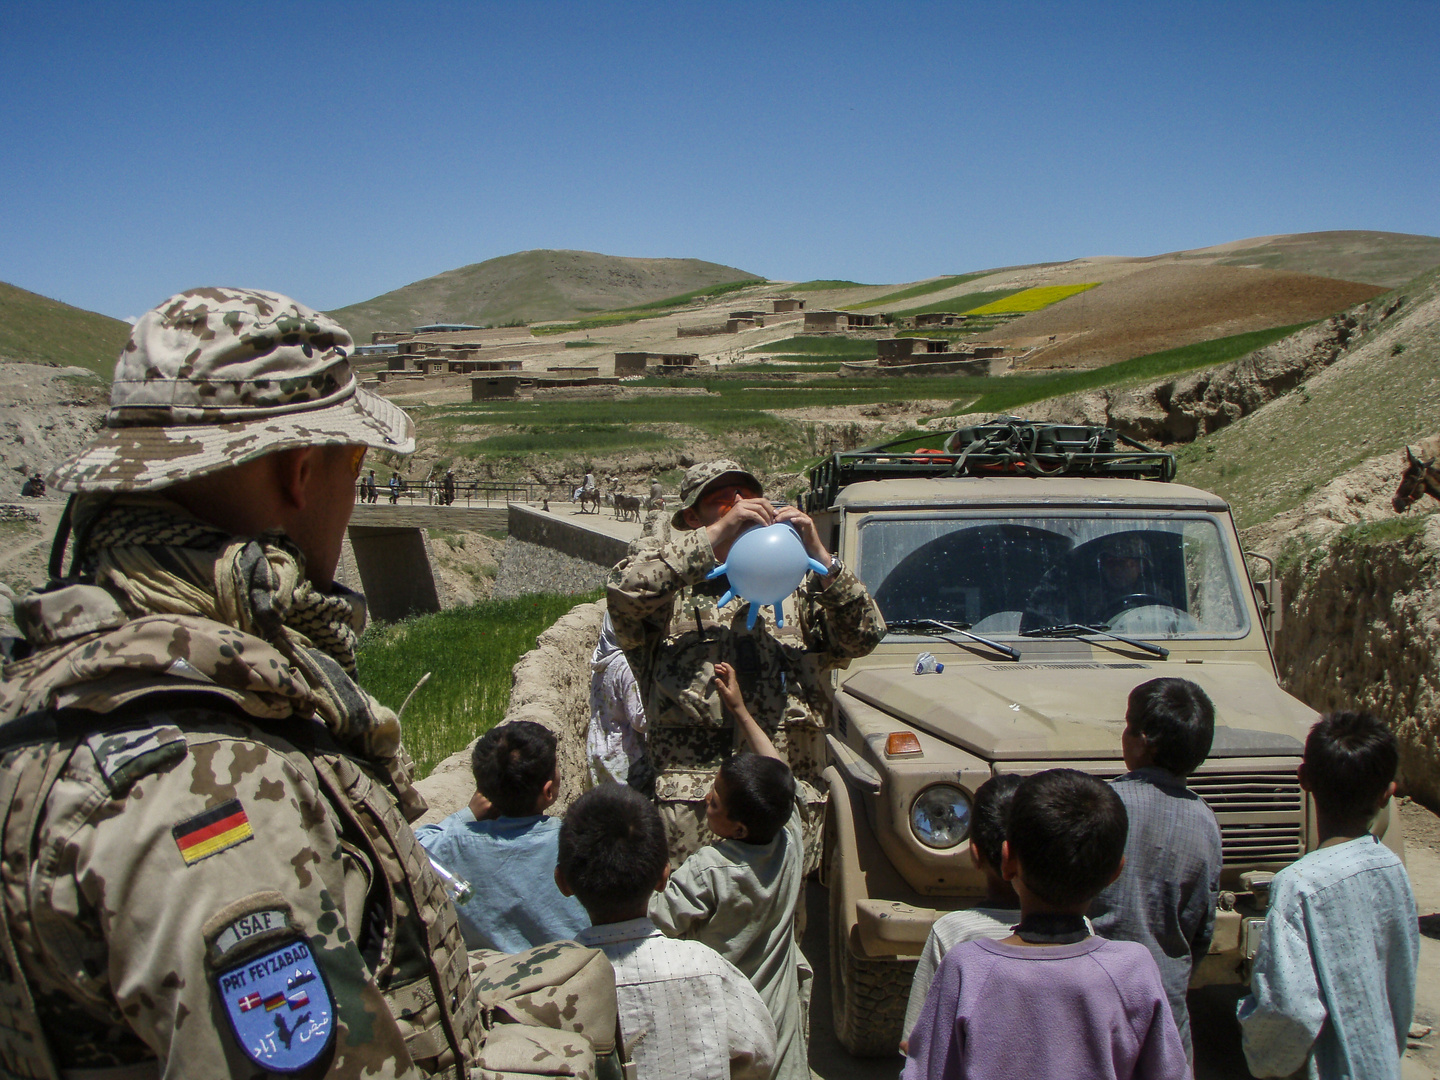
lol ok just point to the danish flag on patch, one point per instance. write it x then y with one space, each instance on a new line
250 1001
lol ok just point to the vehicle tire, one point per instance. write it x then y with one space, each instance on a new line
867 997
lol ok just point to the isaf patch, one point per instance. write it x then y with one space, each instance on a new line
280 1007
212 832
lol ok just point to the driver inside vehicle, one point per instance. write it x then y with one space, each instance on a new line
1124 578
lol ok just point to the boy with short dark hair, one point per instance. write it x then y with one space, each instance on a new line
739 895
1165 897
1333 986
685 1011
997 918
505 846
1051 999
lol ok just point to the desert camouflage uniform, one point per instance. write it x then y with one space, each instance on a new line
135 727
673 637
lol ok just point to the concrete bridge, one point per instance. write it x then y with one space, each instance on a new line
387 552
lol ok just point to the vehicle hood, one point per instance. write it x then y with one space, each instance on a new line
1076 710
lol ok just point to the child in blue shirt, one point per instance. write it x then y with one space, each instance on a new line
505 846
1333 987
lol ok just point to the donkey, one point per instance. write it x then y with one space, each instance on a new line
1420 477
627 507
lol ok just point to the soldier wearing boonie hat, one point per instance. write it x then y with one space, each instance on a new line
665 619
230 882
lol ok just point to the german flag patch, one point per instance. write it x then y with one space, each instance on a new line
213 831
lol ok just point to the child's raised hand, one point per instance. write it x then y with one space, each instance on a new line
727 684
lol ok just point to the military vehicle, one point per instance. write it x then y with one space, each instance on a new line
1049 570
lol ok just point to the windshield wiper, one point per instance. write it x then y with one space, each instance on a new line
917 625
1076 629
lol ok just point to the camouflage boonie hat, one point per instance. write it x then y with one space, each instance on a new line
217 377
699 477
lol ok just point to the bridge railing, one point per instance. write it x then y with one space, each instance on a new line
465 493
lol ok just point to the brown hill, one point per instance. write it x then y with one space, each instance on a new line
1141 309
1376 258
533 286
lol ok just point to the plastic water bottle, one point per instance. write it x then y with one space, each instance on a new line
926 664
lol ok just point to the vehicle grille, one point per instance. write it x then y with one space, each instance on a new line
1271 805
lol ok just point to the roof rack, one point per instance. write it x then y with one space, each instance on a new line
1007 446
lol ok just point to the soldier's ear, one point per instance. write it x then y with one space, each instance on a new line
561 883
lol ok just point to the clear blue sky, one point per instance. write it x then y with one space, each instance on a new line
337 151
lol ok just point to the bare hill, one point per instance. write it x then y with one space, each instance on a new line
534 286
36 329
1376 258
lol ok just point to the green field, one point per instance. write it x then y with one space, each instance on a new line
740 413
847 348
469 652
961 304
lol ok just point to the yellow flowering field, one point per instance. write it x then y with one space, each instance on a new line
1034 299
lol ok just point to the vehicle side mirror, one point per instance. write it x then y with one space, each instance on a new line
1267 595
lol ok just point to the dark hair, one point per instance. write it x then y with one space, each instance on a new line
759 792
989 814
512 764
612 849
1068 830
1177 719
1350 759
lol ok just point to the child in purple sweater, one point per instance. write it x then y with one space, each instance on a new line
1051 999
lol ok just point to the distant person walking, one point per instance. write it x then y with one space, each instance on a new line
447 488
368 493
394 488
657 494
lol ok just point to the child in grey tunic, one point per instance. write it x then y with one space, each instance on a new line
739 895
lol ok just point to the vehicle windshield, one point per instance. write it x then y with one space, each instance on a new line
1154 577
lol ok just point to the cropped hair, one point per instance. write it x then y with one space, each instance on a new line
1177 719
1350 760
512 764
1068 830
989 814
612 849
759 792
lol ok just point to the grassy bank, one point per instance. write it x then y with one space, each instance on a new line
652 310
469 652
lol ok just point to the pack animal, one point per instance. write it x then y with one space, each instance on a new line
1420 477
627 507
589 497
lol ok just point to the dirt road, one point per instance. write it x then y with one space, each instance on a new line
1212 1011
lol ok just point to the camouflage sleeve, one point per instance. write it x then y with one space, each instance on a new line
838 618
152 885
641 591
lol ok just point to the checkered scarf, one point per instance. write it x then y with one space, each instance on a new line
159 560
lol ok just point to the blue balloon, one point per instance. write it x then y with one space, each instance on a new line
764 566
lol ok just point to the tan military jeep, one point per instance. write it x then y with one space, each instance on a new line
1049 570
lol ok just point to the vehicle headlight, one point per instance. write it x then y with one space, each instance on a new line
940 816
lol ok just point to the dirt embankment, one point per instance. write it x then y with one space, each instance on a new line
1183 408
47 413
1362 630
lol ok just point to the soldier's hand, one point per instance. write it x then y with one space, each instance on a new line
809 535
742 517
